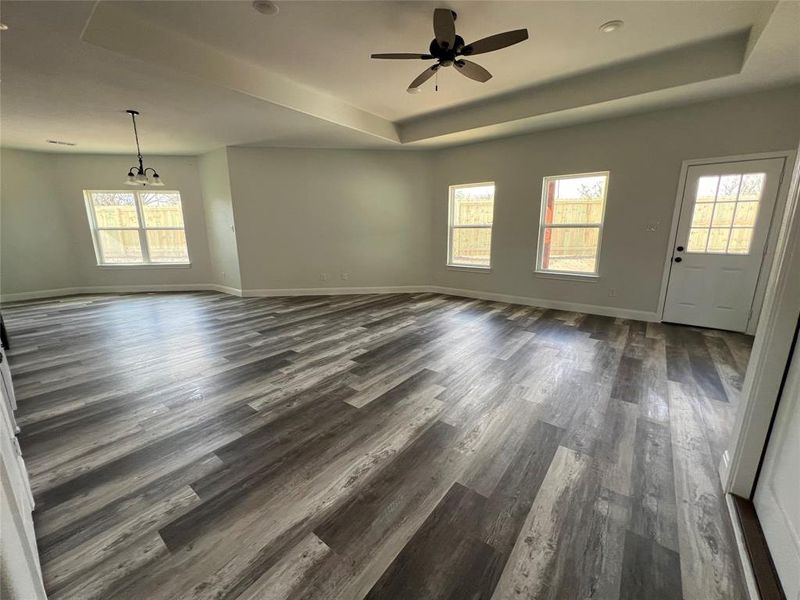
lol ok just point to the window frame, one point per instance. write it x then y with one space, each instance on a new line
142 230
450 227
543 226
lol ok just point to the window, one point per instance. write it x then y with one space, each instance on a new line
725 212
137 228
470 225
571 224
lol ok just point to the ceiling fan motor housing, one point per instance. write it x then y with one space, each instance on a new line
446 54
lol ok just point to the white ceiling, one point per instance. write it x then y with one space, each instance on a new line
54 86
207 74
326 44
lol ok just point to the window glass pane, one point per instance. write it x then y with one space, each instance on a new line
167 246
752 186
697 240
724 223
728 188
114 209
740 241
471 246
473 205
120 246
161 209
707 189
570 249
723 214
718 240
575 200
746 213
702 215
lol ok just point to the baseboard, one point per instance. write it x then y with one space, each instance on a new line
335 291
607 311
724 469
18 296
225 289
594 309
119 289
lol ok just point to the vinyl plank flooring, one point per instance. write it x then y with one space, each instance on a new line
709 563
445 558
283 580
649 570
416 446
570 545
653 511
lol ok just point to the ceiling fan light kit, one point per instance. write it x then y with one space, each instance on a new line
448 48
139 175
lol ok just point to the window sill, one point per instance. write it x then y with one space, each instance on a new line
147 266
585 277
471 269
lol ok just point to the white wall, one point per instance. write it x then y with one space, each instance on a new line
643 154
37 252
46 242
218 209
277 219
300 213
79 172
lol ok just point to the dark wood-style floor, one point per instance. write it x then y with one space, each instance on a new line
400 446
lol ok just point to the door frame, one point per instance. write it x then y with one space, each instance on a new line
764 379
770 356
772 234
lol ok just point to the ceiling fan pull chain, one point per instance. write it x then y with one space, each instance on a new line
437 81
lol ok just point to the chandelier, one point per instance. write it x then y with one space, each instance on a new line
139 175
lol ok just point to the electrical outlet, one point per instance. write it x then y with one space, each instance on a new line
345 275
324 276
612 292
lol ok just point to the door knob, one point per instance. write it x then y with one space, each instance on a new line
678 259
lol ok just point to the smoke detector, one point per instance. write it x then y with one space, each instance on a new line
611 26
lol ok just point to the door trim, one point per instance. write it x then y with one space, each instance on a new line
770 355
769 249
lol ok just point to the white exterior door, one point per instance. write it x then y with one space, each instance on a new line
777 497
723 226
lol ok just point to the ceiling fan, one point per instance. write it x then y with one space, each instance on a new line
447 49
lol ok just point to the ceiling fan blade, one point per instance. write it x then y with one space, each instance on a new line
423 77
472 70
444 27
401 56
495 42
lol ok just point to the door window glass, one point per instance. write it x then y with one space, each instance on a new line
725 211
